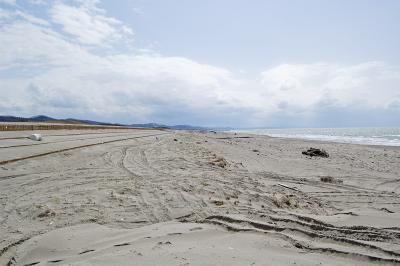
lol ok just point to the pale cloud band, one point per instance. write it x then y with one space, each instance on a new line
88 24
50 67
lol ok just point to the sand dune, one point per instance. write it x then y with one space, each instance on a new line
184 198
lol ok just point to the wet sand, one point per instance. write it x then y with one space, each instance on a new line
193 198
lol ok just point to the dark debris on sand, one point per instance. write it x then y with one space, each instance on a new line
316 152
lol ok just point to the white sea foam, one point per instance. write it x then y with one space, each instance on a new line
366 136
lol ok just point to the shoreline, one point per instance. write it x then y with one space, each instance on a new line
379 136
315 140
279 202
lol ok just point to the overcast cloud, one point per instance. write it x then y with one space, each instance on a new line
76 60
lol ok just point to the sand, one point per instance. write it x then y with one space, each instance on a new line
136 197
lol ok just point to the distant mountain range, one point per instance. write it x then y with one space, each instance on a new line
47 119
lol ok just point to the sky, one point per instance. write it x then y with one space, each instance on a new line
289 63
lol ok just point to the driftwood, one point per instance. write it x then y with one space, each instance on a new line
316 152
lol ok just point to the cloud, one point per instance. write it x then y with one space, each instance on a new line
37 2
138 10
44 71
88 23
305 87
32 19
107 86
9 2
4 14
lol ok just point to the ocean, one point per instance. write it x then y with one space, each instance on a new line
389 136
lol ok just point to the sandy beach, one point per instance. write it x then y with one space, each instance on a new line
161 197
